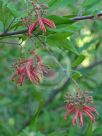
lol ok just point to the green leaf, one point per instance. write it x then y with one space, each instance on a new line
12 8
1 26
35 117
55 4
39 134
89 3
72 131
76 74
57 39
5 14
72 47
60 40
98 24
14 11
88 131
87 45
98 131
78 60
60 19
63 28
5 129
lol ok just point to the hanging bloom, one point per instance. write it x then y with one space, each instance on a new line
49 23
41 68
79 104
31 28
20 74
32 69
42 22
38 10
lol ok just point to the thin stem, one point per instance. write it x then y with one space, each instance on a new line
9 43
9 25
13 33
76 84
85 17
46 47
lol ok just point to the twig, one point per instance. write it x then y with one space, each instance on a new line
9 43
25 30
6 30
13 33
95 64
86 17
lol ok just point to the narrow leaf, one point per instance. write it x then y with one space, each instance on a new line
78 60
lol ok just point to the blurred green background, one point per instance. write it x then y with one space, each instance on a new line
76 50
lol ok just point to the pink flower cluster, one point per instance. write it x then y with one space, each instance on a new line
41 21
78 105
32 69
37 12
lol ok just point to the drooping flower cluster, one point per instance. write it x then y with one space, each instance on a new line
30 68
79 104
40 21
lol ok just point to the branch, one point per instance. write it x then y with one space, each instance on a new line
6 30
86 17
10 43
13 33
95 64
73 19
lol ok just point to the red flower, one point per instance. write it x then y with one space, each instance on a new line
78 105
20 73
31 28
42 22
30 69
49 23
